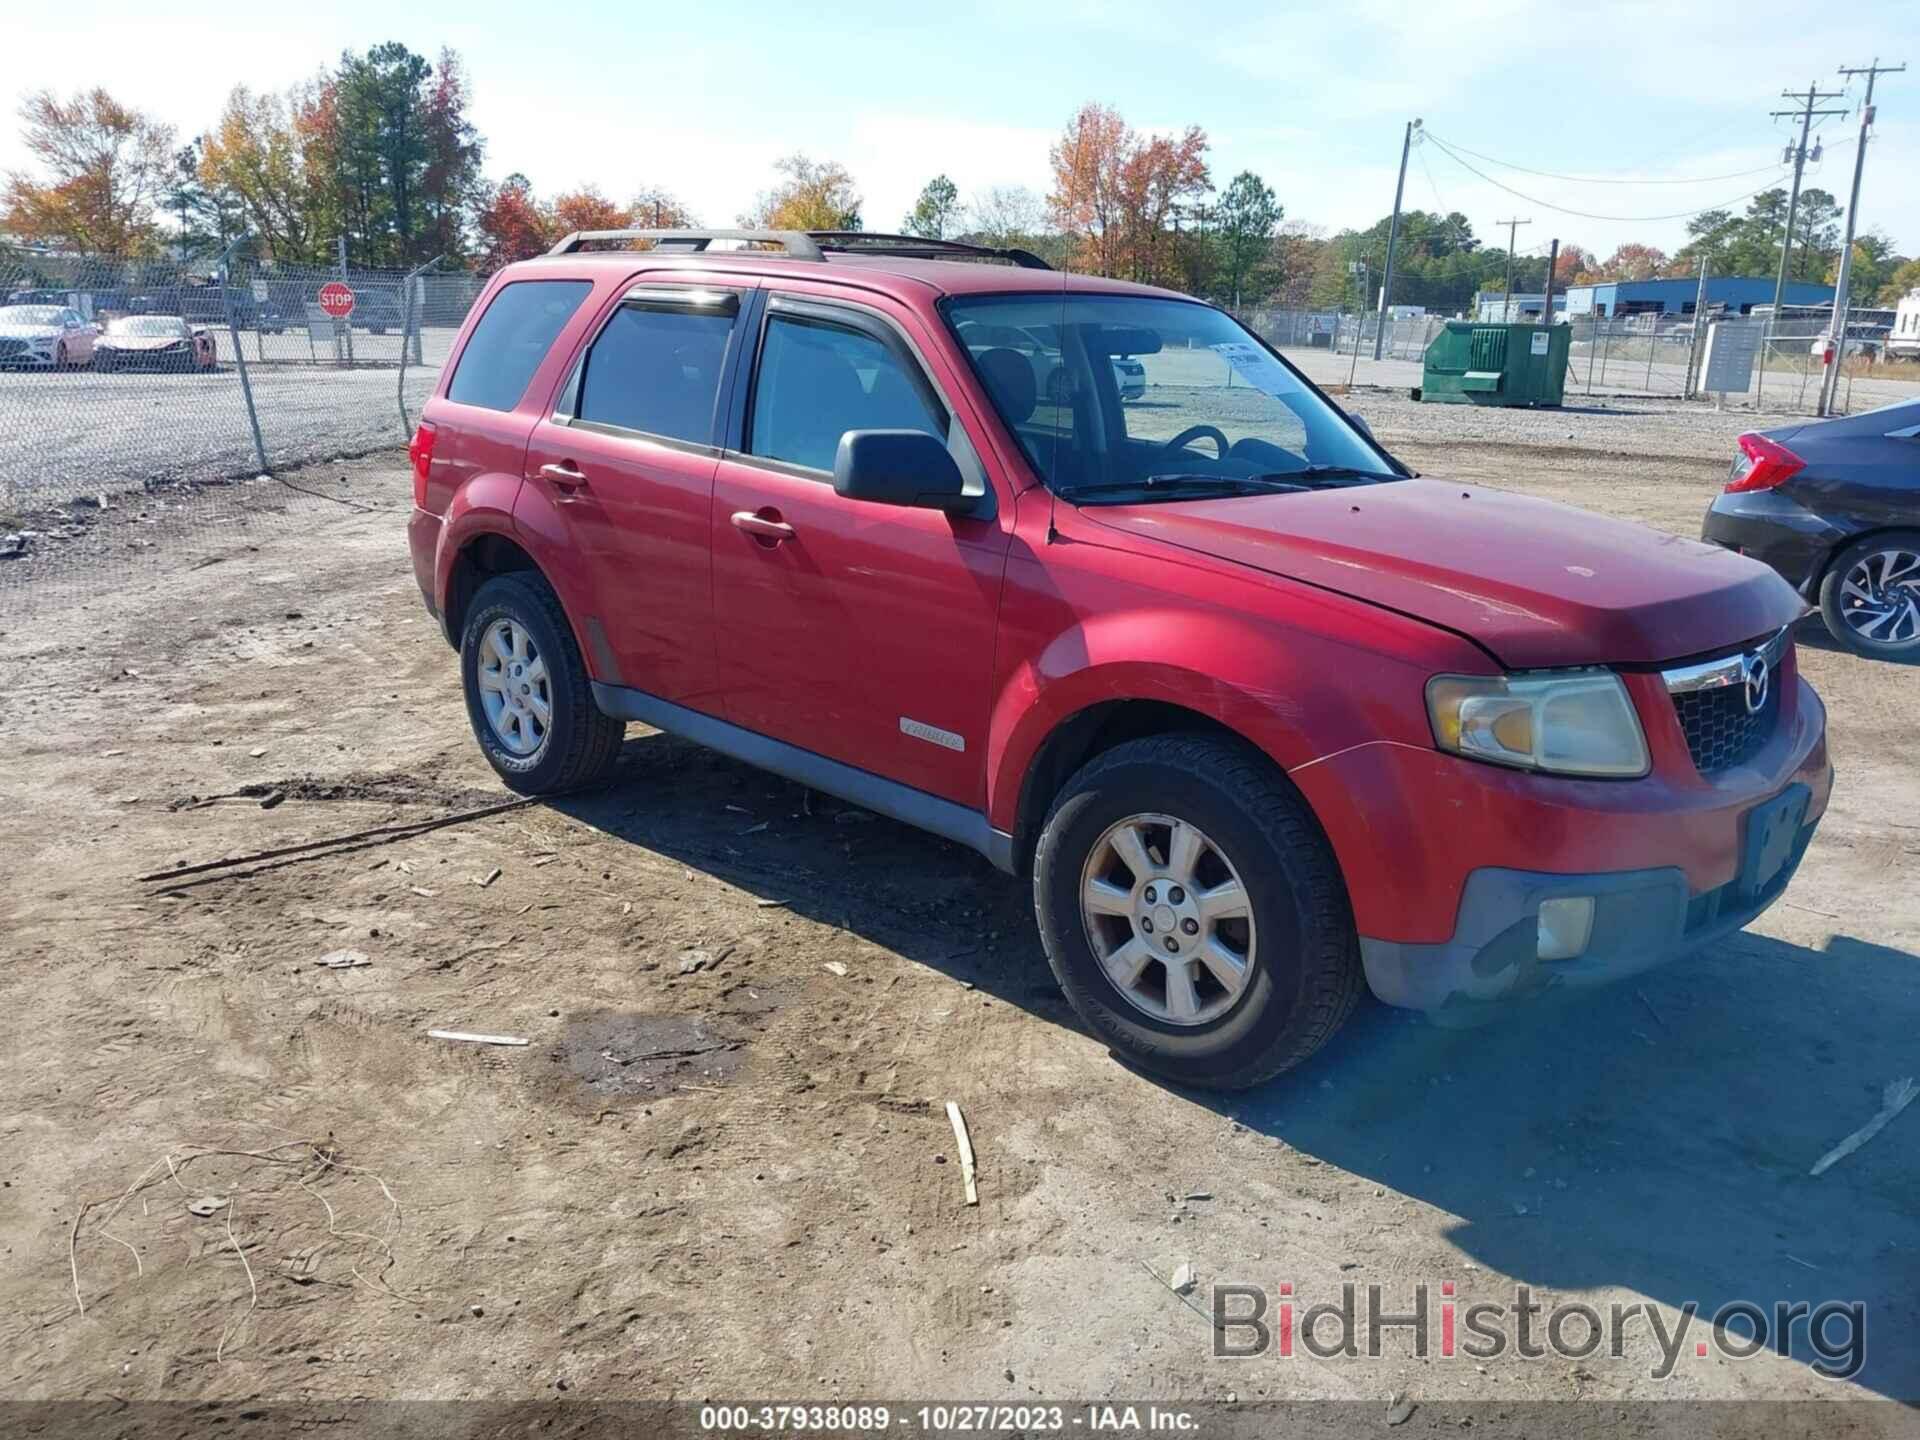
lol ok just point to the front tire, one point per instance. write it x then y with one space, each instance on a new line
1224 951
528 697
1870 597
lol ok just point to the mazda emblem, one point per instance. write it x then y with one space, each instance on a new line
1756 668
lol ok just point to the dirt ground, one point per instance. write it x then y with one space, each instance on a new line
721 1166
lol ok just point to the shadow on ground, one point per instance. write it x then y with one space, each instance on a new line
1654 1136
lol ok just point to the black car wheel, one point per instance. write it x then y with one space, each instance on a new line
1870 597
1194 913
528 697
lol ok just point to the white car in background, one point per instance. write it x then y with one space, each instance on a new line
51 337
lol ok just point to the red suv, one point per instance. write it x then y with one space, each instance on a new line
1260 712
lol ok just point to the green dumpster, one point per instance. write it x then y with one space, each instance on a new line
1470 364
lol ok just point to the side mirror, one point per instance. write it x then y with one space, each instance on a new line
899 467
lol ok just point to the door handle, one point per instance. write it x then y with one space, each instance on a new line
761 526
565 474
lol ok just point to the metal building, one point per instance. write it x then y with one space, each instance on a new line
1735 294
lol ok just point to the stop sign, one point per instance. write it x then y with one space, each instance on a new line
336 299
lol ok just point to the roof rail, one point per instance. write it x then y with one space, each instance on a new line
797 244
919 247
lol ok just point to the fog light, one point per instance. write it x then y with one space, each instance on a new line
1566 925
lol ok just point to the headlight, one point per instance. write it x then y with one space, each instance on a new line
1568 722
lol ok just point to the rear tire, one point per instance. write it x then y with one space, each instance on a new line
1302 973
1861 608
573 745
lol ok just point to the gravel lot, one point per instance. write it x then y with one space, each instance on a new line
83 433
777 1214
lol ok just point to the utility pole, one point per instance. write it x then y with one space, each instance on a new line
1829 381
1698 338
1805 114
1513 229
1393 238
1546 303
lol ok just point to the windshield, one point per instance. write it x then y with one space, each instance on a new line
1217 412
149 325
30 315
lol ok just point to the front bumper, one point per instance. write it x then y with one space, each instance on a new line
1642 918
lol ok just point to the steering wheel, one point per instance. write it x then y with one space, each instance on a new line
1197 432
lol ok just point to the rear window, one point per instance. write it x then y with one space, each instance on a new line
657 371
512 339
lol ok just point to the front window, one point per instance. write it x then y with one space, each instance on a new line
1122 399
818 380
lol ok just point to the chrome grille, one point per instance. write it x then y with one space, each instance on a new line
1714 704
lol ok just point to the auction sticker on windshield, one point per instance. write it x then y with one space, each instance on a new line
1256 366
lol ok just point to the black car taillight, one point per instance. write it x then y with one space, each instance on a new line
1762 464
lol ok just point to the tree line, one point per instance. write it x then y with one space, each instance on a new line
377 154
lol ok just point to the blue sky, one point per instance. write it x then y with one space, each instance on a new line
702 98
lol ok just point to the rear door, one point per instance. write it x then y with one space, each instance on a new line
627 460
859 631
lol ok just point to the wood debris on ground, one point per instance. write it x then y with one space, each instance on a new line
965 1142
474 1039
1895 1098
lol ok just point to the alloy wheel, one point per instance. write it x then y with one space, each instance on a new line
1169 919
515 691
1880 597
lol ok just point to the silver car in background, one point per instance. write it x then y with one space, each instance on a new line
44 337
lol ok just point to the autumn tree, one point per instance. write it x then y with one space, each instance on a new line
1086 200
587 209
815 195
256 155
450 181
1631 261
1158 178
1574 262
936 211
653 208
1904 280
512 224
105 165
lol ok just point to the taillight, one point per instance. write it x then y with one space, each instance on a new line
1762 464
420 451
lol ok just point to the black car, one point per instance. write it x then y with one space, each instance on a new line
1834 506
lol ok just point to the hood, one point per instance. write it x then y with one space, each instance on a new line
1535 582
29 332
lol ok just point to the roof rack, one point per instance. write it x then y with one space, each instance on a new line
919 247
811 244
796 243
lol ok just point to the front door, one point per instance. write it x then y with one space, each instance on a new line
859 631
627 462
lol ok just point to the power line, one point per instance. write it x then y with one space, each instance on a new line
1610 179
1590 215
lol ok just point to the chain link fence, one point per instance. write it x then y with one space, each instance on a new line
160 390
1618 357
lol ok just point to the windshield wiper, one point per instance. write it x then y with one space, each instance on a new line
1181 485
1316 475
